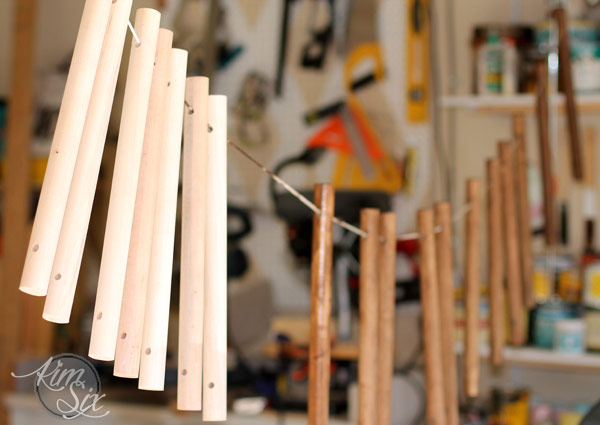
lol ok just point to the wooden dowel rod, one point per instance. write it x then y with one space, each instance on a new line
131 319
432 334
544 149
367 349
523 212
387 314
445 267
193 221
472 287
65 145
105 325
566 83
511 245
214 386
495 260
158 297
319 360
69 251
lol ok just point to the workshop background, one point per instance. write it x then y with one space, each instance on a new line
292 72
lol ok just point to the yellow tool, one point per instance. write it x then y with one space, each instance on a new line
348 172
417 60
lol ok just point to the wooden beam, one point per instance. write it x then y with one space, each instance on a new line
15 228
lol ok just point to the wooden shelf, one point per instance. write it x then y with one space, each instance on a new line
518 103
26 409
544 359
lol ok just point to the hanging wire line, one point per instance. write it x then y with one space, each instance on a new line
138 43
295 193
401 237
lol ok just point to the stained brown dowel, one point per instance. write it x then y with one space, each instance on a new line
566 85
544 147
432 341
511 245
524 214
444 257
387 305
368 280
495 260
472 287
320 313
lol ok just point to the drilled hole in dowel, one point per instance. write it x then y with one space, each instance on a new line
211 385
99 316
36 248
148 351
58 276
210 129
184 372
124 335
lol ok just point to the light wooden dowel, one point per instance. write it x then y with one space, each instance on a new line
511 245
63 152
367 349
214 385
319 359
566 83
445 267
472 287
193 222
105 325
432 334
495 260
524 213
158 297
131 320
544 150
69 251
387 314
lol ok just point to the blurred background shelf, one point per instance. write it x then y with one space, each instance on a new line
518 103
543 359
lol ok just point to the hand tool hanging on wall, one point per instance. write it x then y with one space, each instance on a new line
472 287
318 114
367 357
566 85
319 360
495 260
445 263
69 252
158 297
113 265
65 145
524 210
544 149
341 15
387 315
315 50
511 245
430 307
193 246
417 60
348 171
283 44
137 276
